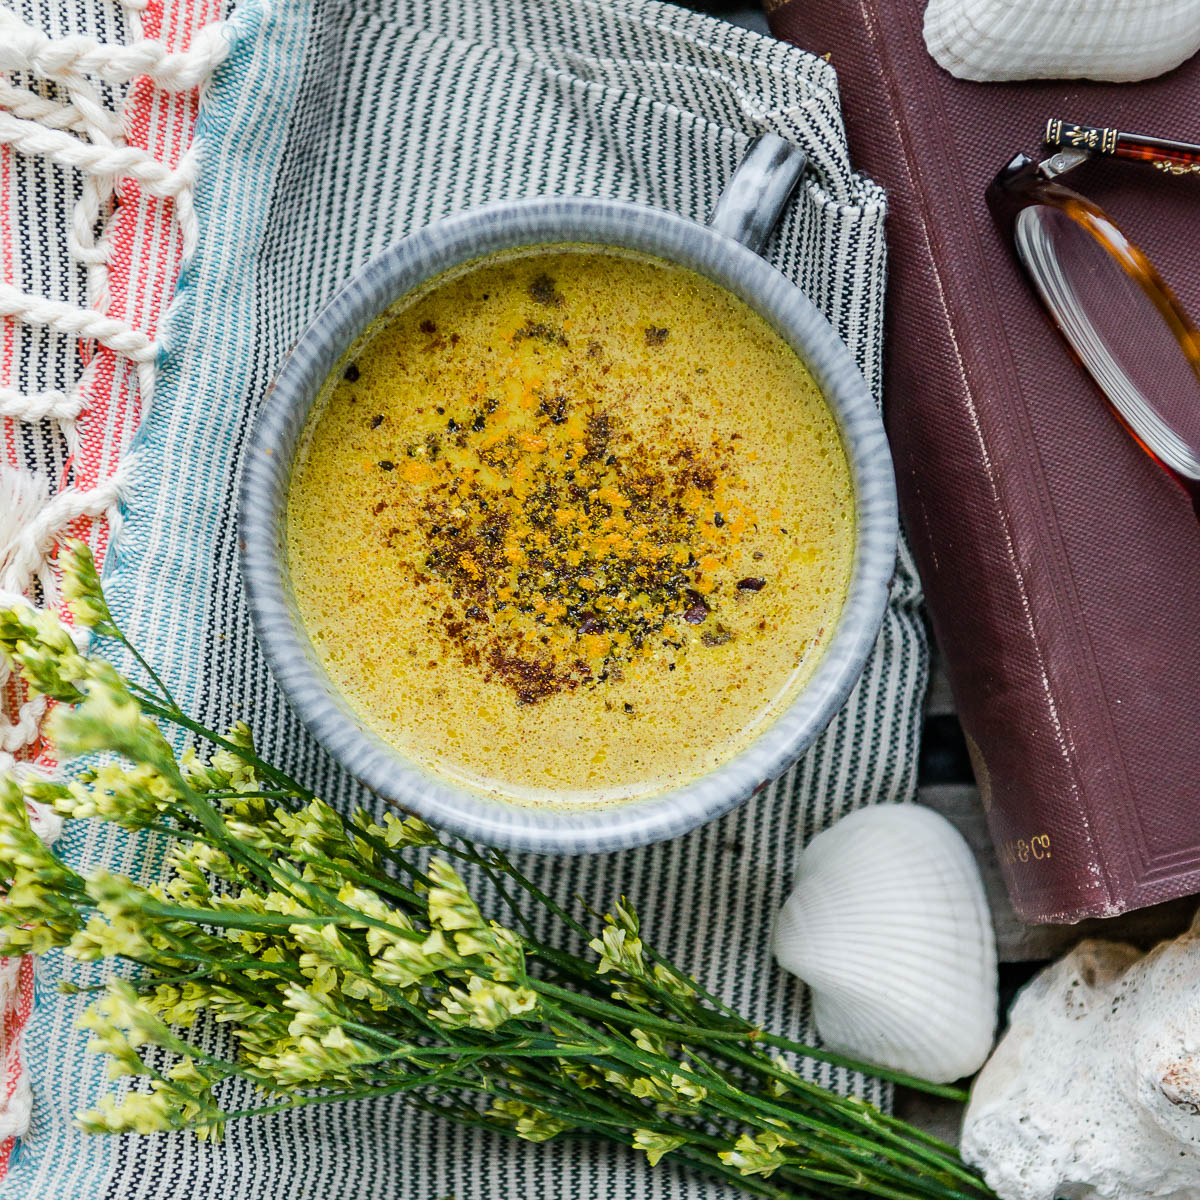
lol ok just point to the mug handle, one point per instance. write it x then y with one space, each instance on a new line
753 199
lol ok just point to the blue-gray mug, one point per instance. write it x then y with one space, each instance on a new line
726 251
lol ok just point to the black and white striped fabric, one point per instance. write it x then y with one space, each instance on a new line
333 128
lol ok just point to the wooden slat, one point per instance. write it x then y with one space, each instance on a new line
939 701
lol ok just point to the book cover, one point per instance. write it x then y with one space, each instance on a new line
1061 565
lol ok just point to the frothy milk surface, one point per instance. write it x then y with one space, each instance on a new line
570 526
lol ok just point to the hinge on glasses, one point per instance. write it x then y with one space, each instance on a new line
1062 162
1073 145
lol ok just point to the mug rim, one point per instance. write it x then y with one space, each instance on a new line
459 240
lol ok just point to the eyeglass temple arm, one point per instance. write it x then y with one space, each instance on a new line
1175 158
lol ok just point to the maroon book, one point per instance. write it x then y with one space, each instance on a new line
1061 565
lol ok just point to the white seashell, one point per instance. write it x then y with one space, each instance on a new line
1094 1091
889 927
1117 40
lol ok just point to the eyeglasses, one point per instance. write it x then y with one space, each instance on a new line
1120 319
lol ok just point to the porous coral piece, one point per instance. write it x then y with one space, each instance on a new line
1094 1092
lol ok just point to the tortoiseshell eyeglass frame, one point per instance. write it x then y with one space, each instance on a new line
1023 183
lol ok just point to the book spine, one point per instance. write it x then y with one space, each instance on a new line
946 451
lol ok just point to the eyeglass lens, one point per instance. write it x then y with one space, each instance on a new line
1118 332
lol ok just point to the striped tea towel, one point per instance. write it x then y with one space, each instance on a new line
332 128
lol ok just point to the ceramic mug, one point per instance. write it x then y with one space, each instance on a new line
725 251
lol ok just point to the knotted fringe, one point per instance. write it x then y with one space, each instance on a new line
80 133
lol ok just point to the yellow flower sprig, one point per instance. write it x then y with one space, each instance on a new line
349 958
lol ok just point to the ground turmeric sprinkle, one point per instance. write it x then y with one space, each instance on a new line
568 545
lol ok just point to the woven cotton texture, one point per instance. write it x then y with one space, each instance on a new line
328 132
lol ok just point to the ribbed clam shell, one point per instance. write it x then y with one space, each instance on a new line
889 926
1117 40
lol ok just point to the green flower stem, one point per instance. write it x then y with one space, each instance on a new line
333 1097
249 795
271 872
853 1109
820 1132
693 1151
883 1175
711 1164
266 922
703 1033
212 821
379 883
168 712
944 1091
682 1032
497 882
616 1114
736 1103
737 1099
252 920
114 630
232 968
590 1108
849 1108
700 1160
613 1012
